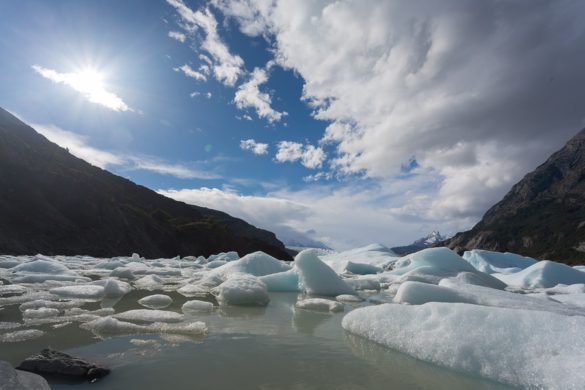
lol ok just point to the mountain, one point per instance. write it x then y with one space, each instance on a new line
428 241
543 216
56 204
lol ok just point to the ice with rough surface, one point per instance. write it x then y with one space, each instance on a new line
370 259
543 274
147 315
196 306
40 313
417 293
524 348
21 335
86 291
318 278
113 288
242 290
319 304
156 301
497 262
110 326
349 298
149 282
42 267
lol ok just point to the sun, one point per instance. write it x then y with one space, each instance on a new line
88 81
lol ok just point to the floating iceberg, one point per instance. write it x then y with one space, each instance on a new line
417 293
147 315
543 274
319 304
523 348
110 326
242 290
21 335
86 291
287 281
318 278
438 262
113 288
497 262
40 313
156 301
370 259
195 307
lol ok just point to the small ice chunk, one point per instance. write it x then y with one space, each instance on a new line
110 326
156 301
40 313
42 267
364 283
194 290
147 315
287 281
142 342
85 291
196 306
21 335
317 278
348 298
242 290
319 304
149 282
12 289
113 288
41 303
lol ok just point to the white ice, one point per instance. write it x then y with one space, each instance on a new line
110 326
147 315
242 290
21 335
319 304
317 278
543 274
86 291
287 281
196 306
370 259
497 262
524 348
156 301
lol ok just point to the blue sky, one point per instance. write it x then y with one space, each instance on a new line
346 122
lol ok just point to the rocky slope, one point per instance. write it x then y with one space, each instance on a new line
543 216
54 203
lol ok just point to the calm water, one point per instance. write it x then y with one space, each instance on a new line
276 347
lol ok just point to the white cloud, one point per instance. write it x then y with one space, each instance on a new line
310 156
79 147
253 146
190 72
248 95
343 217
227 67
474 91
179 36
89 84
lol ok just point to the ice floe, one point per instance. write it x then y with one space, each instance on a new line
196 306
524 348
242 290
543 274
318 278
319 304
148 315
156 301
497 262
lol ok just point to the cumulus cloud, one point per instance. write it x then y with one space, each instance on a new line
79 146
179 36
190 72
249 95
310 156
253 146
227 67
88 84
479 92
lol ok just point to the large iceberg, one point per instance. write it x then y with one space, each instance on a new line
523 348
317 278
543 274
497 262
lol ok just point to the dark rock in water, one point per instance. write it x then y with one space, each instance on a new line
54 203
55 363
11 379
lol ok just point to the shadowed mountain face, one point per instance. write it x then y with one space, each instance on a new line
542 216
56 204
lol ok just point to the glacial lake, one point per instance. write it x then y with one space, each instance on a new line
276 347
